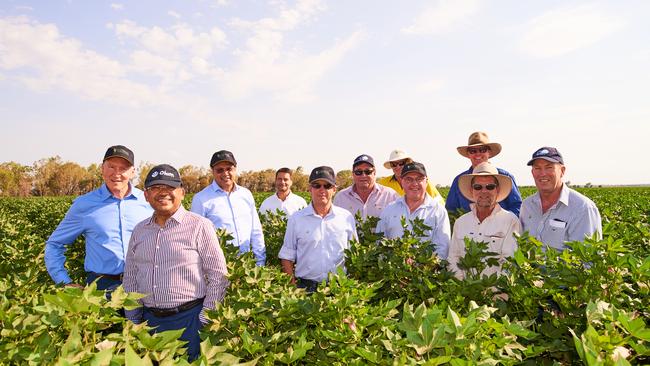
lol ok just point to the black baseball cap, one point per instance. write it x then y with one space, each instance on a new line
323 173
163 174
547 153
364 158
413 166
119 151
222 155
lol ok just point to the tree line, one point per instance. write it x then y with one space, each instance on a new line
54 177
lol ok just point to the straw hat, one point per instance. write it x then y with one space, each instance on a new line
396 155
479 139
485 169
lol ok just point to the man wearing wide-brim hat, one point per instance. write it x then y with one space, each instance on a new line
487 221
396 161
480 149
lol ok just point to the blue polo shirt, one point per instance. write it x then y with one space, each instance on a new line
456 200
106 223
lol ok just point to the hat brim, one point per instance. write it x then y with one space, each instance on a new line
119 156
387 163
163 182
221 161
465 185
531 161
323 179
495 149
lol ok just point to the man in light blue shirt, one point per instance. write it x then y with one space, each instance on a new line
416 203
317 235
556 213
231 207
105 217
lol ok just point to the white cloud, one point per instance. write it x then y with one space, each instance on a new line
174 14
443 17
116 6
48 60
24 8
566 29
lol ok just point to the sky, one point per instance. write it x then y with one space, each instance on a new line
309 83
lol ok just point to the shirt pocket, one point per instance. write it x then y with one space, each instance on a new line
555 234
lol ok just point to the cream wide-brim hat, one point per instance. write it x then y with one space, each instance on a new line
479 139
485 169
396 155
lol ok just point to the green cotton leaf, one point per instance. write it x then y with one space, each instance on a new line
102 358
73 343
440 360
132 359
453 318
369 355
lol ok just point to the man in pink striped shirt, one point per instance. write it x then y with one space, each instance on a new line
174 258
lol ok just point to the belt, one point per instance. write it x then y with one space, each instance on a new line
162 313
117 277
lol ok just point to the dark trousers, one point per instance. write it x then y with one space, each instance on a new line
103 283
309 285
188 319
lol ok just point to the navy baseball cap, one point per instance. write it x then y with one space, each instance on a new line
222 155
413 166
364 158
547 153
324 173
163 174
119 151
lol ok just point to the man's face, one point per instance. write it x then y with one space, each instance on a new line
547 175
224 174
398 165
414 185
117 173
164 200
484 197
363 176
320 193
283 182
478 154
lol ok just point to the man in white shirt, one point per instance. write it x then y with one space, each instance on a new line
283 199
365 195
416 203
486 221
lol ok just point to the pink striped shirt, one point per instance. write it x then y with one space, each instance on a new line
176 263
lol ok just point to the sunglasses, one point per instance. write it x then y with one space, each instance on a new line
318 185
221 170
395 164
160 188
489 187
476 150
362 172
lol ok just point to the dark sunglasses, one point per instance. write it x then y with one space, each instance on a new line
489 187
480 149
318 185
362 172
395 164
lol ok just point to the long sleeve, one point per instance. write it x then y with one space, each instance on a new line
129 281
214 267
453 203
513 202
66 233
257 236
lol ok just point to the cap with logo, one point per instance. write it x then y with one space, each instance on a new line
119 151
163 174
413 166
547 153
323 173
222 155
361 159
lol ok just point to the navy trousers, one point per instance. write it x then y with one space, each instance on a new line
188 319
104 283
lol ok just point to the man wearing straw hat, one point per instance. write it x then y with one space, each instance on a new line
487 221
479 149
396 162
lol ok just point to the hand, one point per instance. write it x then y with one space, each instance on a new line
76 285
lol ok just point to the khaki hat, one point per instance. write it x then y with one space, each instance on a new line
479 139
485 169
396 155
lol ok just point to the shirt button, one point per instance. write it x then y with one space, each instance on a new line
157 247
154 286
156 266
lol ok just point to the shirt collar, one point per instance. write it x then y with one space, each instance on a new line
564 195
309 210
496 209
105 193
177 216
428 201
218 188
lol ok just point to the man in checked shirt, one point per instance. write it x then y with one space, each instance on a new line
175 259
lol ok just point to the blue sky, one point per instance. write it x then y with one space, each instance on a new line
308 83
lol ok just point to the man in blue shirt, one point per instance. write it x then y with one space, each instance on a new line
105 217
479 149
231 207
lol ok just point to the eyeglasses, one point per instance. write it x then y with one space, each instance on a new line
362 172
409 180
160 188
476 150
489 187
318 185
221 170
395 164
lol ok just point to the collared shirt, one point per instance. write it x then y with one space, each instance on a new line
106 222
316 244
431 211
496 230
176 263
236 213
291 204
571 218
378 199
393 183
456 200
